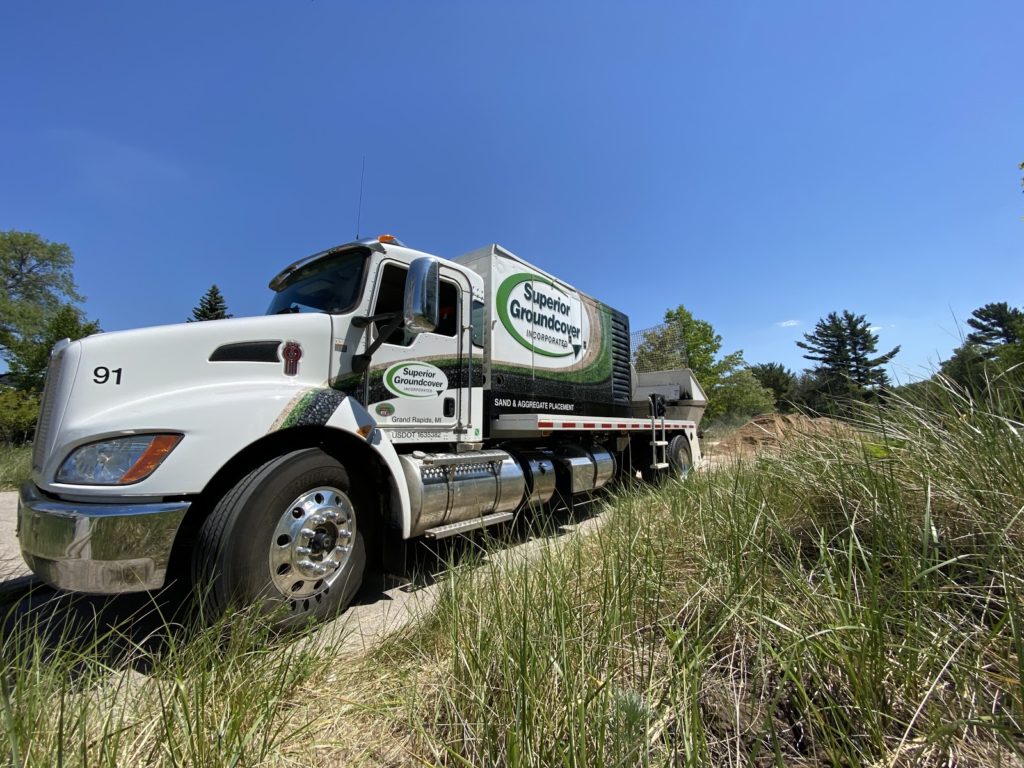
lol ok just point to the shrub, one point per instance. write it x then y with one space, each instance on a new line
18 414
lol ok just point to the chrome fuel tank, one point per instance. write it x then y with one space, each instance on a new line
448 488
583 469
539 469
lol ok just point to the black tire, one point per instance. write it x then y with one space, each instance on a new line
680 458
246 549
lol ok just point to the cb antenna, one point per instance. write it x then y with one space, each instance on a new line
359 211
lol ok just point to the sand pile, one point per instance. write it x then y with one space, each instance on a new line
767 432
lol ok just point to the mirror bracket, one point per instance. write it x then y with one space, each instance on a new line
362 361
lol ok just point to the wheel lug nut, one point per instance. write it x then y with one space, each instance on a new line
302 550
307 533
317 519
330 516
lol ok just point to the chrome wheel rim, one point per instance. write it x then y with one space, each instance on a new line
681 461
312 544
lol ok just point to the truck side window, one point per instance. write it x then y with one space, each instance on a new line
448 309
477 319
389 299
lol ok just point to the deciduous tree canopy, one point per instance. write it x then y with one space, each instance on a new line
685 341
35 281
28 356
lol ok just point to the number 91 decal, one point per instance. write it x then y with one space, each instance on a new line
103 375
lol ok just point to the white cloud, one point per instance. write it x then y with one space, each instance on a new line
788 323
875 328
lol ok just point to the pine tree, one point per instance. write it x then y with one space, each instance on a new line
780 380
843 346
995 324
967 366
211 307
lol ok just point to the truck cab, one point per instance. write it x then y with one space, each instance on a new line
386 394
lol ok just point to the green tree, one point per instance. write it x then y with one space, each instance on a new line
1011 356
845 349
211 307
684 341
18 414
28 356
740 394
779 380
967 367
35 281
810 392
995 324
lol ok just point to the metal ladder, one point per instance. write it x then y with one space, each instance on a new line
659 445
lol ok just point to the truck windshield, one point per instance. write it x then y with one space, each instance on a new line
330 284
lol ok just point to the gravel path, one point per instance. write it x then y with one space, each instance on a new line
11 564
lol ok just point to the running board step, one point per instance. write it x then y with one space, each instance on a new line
660 465
659 442
452 529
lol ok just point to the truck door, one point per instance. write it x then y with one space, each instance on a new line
416 382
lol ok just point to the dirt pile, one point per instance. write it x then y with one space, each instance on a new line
768 431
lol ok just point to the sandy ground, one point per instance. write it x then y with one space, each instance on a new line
11 564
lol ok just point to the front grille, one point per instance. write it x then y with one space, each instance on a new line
50 389
621 379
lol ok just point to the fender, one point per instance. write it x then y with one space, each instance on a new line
218 422
350 416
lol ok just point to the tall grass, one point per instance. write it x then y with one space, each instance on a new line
15 465
854 599
78 694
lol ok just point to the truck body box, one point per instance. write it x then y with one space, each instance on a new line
549 347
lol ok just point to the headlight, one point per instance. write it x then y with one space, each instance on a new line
117 461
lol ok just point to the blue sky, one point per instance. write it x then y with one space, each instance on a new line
761 163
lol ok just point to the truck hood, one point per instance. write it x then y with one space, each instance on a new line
118 383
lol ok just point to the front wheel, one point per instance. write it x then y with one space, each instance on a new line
288 537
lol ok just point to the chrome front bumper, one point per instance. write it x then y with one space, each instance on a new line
99 548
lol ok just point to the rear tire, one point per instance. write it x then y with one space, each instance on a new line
289 537
680 458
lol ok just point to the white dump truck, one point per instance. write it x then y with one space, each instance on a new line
387 394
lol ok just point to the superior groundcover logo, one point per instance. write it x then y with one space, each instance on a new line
541 316
412 379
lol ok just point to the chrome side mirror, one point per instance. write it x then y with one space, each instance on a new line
421 295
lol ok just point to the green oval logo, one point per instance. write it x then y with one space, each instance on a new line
414 379
540 315
385 409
